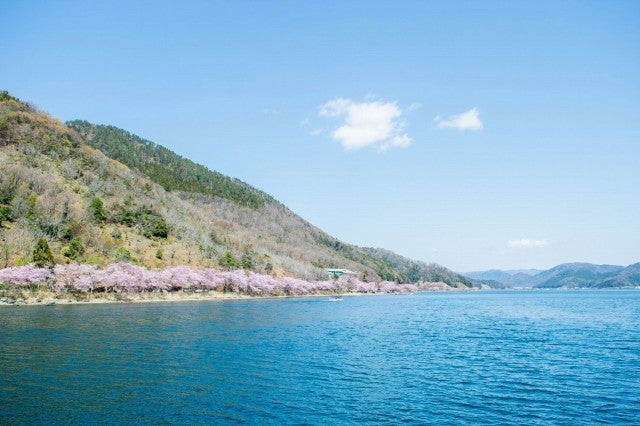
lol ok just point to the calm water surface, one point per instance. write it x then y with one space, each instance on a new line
547 357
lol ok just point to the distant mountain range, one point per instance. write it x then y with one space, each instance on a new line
567 275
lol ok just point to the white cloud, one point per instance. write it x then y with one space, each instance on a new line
316 132
526 243
374 123
469 120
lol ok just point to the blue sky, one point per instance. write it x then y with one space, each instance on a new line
473 134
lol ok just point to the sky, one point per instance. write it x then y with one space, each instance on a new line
475 134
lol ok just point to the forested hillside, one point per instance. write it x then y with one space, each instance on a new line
99 195
165 167
413 271
576 275
497 278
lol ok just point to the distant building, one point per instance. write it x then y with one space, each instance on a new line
339 272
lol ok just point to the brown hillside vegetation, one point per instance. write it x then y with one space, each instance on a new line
57 183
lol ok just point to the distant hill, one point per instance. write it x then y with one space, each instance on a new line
628 277
576 275
413 271
514 278
100 195
568 275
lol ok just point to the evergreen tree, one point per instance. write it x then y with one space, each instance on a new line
228 261
75 249
97 210
247 261
42 254
160 229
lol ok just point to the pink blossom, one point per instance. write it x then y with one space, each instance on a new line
129 278
22 276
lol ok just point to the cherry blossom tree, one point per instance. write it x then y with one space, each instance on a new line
128 278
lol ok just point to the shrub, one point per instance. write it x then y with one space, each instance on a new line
227 261
75 249
123 255
149 222
98 212
160 229
247 261
6 213
32 199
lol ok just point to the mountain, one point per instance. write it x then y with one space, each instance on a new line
414 271
628 277
567 275
100 194
576 275
165 167
514 278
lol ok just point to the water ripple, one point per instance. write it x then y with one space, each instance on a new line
483 358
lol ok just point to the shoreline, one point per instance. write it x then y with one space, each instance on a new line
26 297
40 298
51 299
47 298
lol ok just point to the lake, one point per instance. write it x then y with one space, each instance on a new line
519 357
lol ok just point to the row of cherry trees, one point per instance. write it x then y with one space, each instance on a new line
128 278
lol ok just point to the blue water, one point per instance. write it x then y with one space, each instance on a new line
547 357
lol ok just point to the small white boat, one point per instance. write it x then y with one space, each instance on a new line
335 299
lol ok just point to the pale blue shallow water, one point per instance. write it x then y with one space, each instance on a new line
548 357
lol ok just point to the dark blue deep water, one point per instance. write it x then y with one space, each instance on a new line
547 357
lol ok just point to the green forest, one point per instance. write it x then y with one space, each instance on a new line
165 167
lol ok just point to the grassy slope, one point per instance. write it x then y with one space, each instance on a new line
53 172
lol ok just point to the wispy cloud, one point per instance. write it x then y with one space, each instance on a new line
469 120
527 243
413 107
374 123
